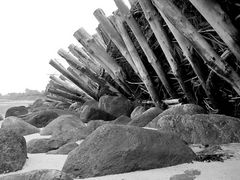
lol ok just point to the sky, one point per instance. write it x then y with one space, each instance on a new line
32 31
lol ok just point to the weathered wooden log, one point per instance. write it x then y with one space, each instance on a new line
69 86
152 59
210 57
82 77
132 2
154 19
111 66
65 95
76 81
75 63
55 85
115 37
118 21
84 58
56 98
220 21
98 38
94 48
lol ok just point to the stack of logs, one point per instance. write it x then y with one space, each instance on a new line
92 72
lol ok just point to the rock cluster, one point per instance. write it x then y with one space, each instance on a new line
116 136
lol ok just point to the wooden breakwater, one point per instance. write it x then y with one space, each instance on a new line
157 50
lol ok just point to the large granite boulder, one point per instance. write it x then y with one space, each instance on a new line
65 149
146 117
43 145
16 111
18 126
113 149
116 105
13 151
43 174
61 124
185 109
137 111
202 128
40 119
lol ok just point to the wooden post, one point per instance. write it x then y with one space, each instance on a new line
152 59
154 19
186 47
56 98
69 86
210 57
111 66
82 77
115 37
98 38
85 59
72 60
221 22
65 95
67 74
137 60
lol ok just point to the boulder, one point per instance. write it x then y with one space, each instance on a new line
65 149
92 113
145 117
113 149
43 145
43 174
16 111
41 118
184 109
72 135
137 111
19 126
13 151
116 105
93 125
62 123
206 129
124 120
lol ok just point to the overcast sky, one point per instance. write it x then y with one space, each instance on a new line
32 31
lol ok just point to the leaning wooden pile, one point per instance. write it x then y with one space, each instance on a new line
115 93
156 50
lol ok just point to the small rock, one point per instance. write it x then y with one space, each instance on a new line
18 126
137 111
43 174
13 151
146 117
124 120
65 149
91 113
16 111
43 145
114 149
41 118
1 117
61 124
